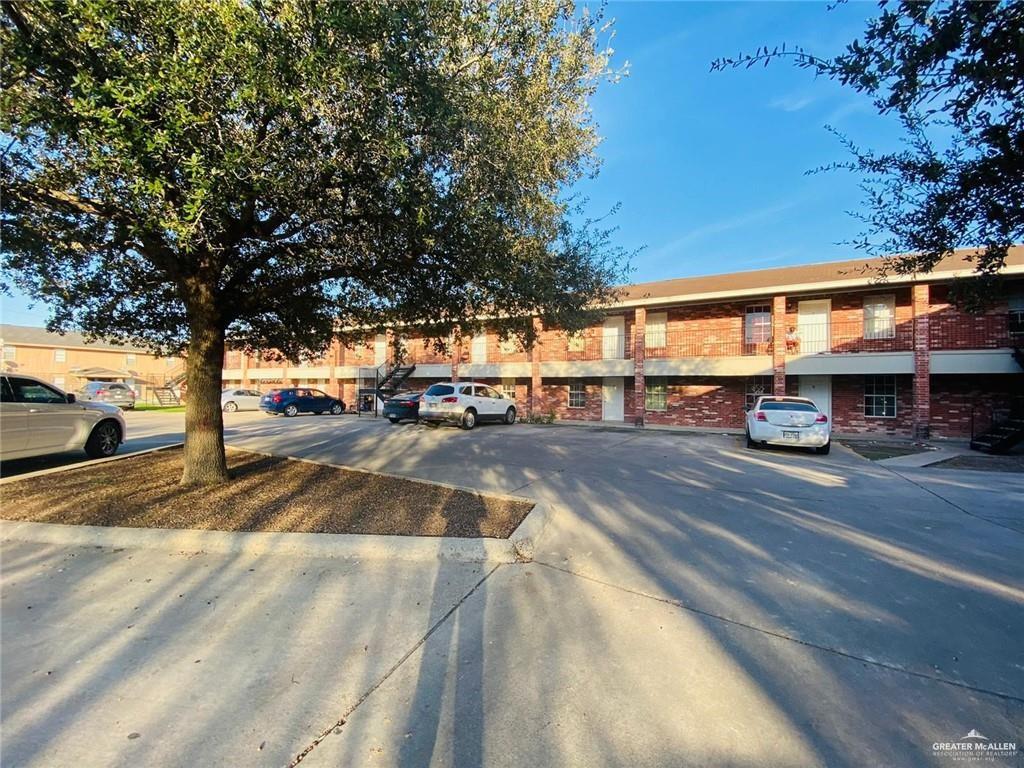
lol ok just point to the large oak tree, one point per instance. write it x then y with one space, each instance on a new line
271 175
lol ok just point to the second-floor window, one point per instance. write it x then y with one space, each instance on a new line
879 317
656 394
577 342
509 346
9 353
129 359
656 330
1016 318
60 355
758 324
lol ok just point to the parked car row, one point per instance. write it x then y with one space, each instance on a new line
37 418
465 403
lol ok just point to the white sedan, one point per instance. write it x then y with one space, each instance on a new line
240 400
465 403
788 421
37 419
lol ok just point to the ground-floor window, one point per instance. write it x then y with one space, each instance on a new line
756 387
577 395
656 394
508 388
880 396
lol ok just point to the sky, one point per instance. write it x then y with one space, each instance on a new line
709 168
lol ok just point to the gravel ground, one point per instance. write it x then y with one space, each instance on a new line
265 494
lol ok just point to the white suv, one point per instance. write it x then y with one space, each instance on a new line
36 418
465 403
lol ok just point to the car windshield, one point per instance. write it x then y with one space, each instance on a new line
440 389
787 405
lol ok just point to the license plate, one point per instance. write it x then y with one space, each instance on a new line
787 435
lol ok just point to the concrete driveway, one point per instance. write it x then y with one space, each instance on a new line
692 603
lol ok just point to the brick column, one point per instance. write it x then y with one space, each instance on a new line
245 370
535 380
778 345
332 361
639 352
922 363
456 352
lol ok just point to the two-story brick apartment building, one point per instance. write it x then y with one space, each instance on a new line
879 355
68 361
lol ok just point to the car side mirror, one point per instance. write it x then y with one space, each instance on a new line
70 398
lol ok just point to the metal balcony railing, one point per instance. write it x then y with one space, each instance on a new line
589 346
880 335
705 342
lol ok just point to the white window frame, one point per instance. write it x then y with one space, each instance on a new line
880 316
10 352
576 342
577 391
508 388
753 329
656 386
756 386
58 381
509 346
656 330
874 397
60 355
130 358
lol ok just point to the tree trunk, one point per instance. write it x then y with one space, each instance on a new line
205 463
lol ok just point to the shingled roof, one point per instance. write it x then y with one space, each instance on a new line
40 337
862 271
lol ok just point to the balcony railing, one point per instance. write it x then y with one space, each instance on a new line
687 342
964 331
850 336
595 346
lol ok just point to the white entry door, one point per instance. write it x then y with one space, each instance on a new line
613 393
380 349
813 326
478 350
817 389
614 338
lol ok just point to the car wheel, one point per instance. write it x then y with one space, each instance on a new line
824 449
510 415
230 407
337 409
103 441
750 443
291 410
393 419
469 419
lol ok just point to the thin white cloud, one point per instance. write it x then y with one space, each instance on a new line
676 247
791 103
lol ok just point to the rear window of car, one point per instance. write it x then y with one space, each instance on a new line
440 389
118 386
787 406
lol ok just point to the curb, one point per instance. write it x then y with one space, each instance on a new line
87 463
322 545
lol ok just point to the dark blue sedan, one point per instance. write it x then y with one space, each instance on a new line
403 406
292 402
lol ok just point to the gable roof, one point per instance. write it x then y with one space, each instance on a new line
807 278
40 337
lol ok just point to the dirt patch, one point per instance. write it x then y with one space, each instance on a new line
984 463
876 451
266 493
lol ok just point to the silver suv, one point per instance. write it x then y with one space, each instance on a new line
465 403
112 392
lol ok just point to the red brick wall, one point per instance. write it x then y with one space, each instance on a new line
702 401
848 407
846 320
951 328
953 396
554 398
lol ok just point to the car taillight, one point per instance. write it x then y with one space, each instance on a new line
449 399
100 392
759 416
277 398
822 419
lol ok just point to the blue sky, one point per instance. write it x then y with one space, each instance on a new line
709 168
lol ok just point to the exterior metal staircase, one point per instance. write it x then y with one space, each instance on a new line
1005 430
173 379
393 379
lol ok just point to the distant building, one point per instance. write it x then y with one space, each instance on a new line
68 361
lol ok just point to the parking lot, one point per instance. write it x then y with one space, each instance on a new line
692 602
